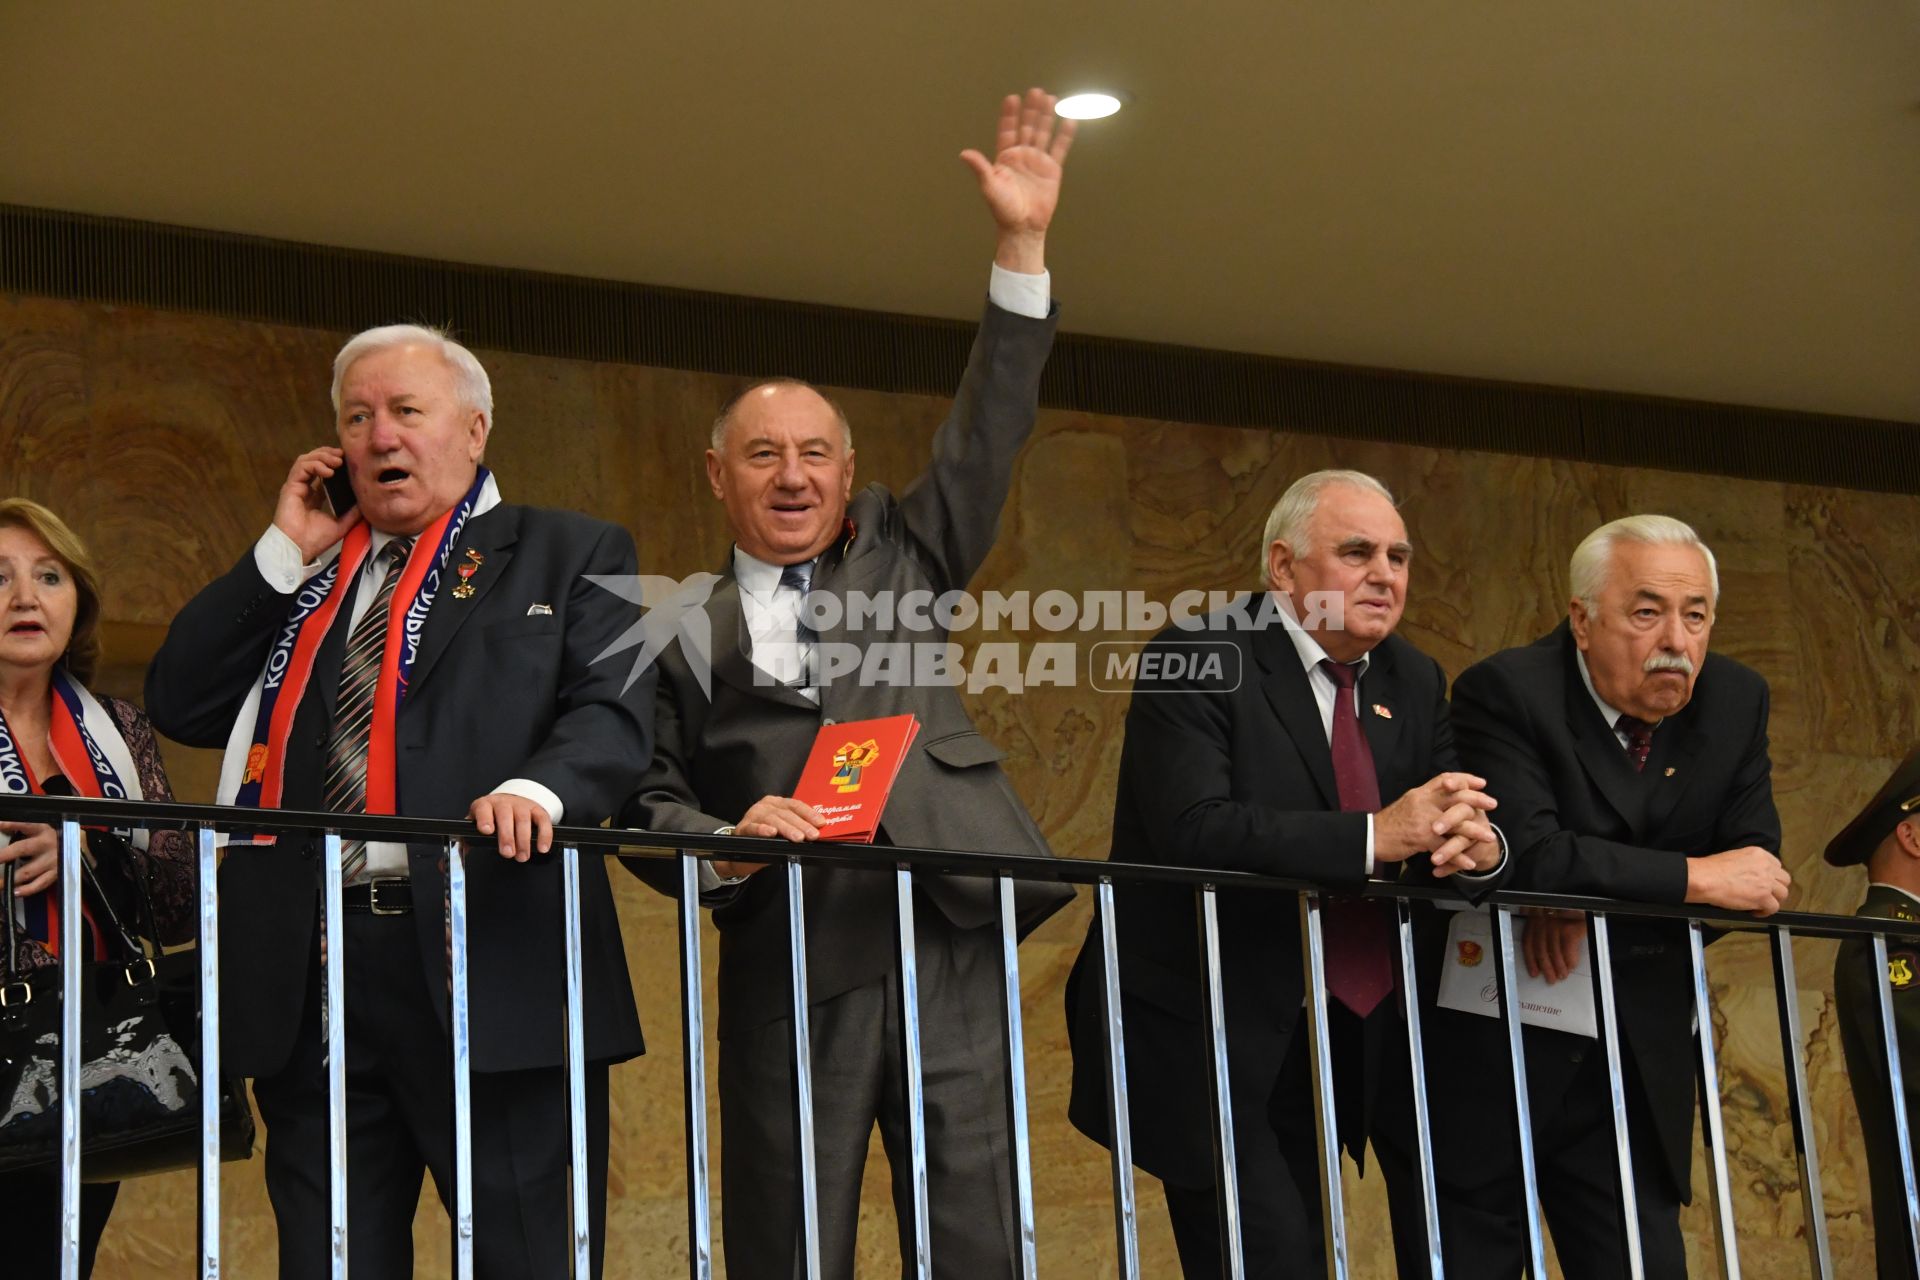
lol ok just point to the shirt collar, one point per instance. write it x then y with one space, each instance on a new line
1608 713
1309 650
1908 895
756 577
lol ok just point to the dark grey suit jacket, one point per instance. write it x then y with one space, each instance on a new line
496 693
716 756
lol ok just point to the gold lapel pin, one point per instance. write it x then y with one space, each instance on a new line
1669 771
1380 709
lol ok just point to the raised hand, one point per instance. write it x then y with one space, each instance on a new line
302 512
1021 184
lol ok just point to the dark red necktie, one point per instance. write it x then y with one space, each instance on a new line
1639 740
1359 932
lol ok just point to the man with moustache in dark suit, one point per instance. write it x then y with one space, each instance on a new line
426 652
1322 751
1629 762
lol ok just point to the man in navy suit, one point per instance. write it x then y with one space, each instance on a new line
426 652
1318 748
1630 763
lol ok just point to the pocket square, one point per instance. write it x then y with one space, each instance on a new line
539 611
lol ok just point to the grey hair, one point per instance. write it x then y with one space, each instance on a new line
718 439
1288 520
1593 558
475 388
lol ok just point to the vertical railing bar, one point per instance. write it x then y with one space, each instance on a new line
1332 1201
910 1045
334 1019
1522 1100
1786 988
1716 1134
1902 1122
1417 1058
73 952
1119 1130
462 1028
1226 1161
803 1073
1017 1082
209 949
694 1040
1617 1094
576 1068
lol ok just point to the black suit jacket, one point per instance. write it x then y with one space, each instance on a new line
1235 774
1578 819
724 747
496 693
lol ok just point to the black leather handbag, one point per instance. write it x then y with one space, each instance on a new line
139 1043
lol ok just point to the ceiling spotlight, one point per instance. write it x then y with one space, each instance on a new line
1087 106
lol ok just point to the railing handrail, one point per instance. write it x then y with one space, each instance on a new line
631 841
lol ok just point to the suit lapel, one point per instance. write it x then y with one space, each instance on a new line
1601 754
490 535
1379 690
1284 683
1670 765
732 649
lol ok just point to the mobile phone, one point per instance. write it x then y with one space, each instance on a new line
339 487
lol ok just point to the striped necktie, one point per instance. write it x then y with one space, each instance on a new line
346 782
799 577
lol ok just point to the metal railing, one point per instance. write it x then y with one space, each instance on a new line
71 814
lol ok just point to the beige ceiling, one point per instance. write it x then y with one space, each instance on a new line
1717 200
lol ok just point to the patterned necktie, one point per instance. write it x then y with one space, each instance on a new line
1359 932
1639 740
346 781
800 578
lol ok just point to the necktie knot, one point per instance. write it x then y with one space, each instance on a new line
1343 674
1639 735
396 552
798 576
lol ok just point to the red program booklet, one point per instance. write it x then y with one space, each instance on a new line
849 772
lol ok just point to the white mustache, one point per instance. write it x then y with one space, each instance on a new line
1669 662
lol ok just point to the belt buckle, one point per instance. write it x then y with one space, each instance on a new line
373 897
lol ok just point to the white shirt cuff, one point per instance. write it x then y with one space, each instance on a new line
711 879
1369 846
1494 870
1018 292
528 789
277 557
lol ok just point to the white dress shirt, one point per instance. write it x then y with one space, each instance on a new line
278 559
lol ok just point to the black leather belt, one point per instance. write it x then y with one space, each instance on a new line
381 896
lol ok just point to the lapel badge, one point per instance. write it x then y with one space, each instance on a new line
1380 709
1669 771
464 591
539 611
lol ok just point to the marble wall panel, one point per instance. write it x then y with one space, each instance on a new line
163 436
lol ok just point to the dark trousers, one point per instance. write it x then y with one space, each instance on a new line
30 1223
1482 1202
858 1080
1277 1151
400 1126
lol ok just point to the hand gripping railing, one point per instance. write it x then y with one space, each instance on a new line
72 813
